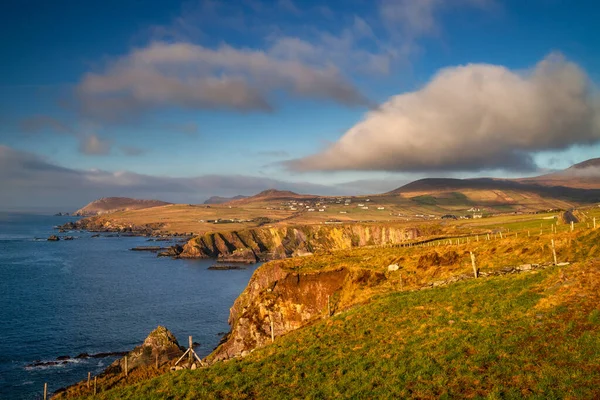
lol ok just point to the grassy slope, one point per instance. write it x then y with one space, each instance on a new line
533 334
180 218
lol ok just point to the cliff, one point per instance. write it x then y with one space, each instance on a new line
108 205
280 300
256 244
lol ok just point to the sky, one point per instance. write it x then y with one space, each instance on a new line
180 101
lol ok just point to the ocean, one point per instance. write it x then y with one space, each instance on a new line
94 295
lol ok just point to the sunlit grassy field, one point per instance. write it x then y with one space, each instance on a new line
534 334
531 335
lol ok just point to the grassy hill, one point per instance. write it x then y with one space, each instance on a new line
108 205
425 199
532 334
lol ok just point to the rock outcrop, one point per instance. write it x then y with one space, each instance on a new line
280 300
264 244
160 349
160 343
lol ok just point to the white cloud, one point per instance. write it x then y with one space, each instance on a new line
195 77
471 117
414 18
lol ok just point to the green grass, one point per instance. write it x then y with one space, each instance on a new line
506 337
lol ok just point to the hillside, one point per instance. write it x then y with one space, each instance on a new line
422 200
497 192
585 175
108 205
273 195
520 330
221 200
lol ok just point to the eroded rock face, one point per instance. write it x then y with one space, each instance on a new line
282 242
285 300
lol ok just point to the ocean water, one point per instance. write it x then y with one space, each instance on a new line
93 295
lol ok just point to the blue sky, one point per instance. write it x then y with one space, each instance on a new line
349 96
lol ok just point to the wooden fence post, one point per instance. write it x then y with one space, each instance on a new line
89 379
594 222
157 361
501 235
272 328
95 383
45 391
191 356
126 367
473 265
554 252
328 307
572 226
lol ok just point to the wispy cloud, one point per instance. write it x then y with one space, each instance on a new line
93 145
472 117
41 123
26 177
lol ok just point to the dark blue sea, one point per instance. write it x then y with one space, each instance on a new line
93 295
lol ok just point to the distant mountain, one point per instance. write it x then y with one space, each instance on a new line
275 195
585 175
577 184
107 205
221 200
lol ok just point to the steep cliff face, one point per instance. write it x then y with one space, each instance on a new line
278 300
282 242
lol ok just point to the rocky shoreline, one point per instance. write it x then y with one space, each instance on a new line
249 246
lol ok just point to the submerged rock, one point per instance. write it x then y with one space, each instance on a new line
53 238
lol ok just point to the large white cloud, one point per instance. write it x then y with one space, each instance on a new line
191 76
471 117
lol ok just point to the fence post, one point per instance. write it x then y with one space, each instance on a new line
126 367
328 307
554 252
45 391
272 328
572 226
473 264
89 378
594 222
95 387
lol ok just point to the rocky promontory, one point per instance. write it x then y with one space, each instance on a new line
108 205
152 358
